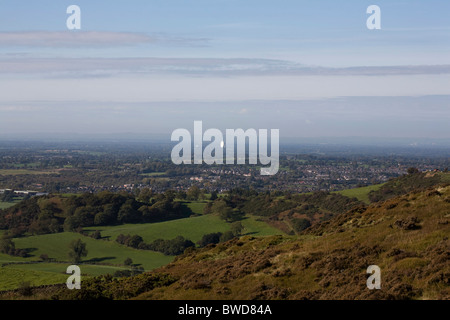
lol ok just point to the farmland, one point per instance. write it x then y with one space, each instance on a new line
15 172
362 193
105 255
191 228
5 205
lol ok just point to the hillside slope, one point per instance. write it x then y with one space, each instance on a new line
407 237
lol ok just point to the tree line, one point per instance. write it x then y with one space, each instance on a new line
52 214
179 244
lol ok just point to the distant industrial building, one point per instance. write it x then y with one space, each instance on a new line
24 192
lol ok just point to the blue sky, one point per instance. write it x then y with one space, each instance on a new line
154 66
331 33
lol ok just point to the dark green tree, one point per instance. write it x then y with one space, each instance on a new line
208 208
213 196
412 170
128 214
106 217
96 235
210 238
300 224
193 193
134 241
7 246
77 250
128 262
227 235
236 228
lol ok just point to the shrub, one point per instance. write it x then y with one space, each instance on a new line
25 289
171 247
44 257
226 236
122 273
96 235
134 241
7 246
210 238
300 224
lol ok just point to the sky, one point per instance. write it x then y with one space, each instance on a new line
308 68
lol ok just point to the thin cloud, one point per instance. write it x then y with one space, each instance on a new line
107 67
100 67
89 39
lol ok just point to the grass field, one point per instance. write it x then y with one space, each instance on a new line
99 251
68 195
6 205
106 255
28 165
153 174
191 228
11 278
196 206
103 257
16 172
361 194
445 177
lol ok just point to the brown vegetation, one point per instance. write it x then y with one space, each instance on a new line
329 261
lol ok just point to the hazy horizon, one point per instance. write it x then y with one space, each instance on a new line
162 139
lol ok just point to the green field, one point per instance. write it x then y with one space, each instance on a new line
153 174
196 207
99 251
11 278
27 165
68 195
361 194
6 205
15 172
191 228
445 177
107 256
103 257
86 269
